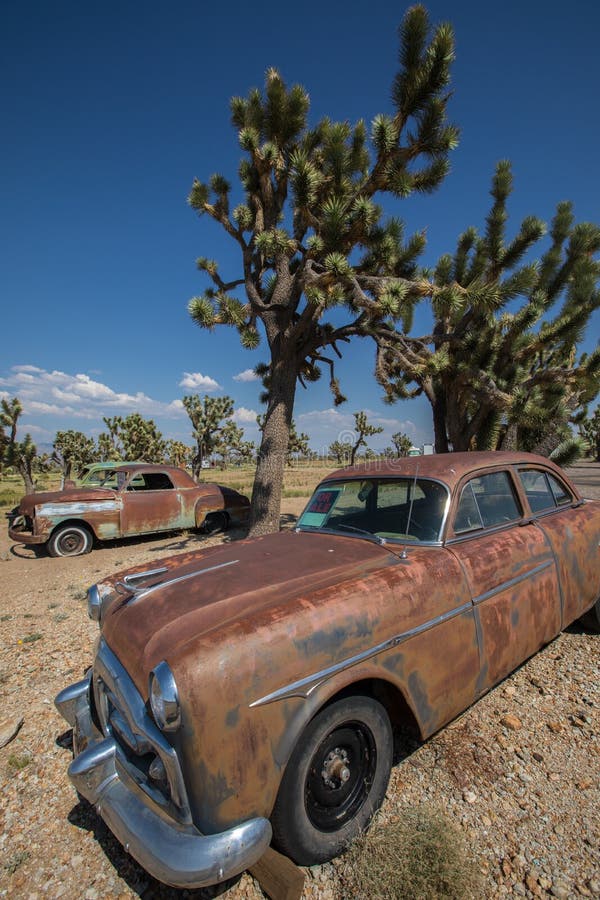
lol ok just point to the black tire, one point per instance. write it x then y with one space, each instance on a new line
591 619
215 522
70 540
335 780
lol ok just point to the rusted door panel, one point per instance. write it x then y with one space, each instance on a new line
438 670
514 585
147 511
574 535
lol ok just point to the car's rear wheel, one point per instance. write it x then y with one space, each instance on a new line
215 522
591 619
70 540
334 781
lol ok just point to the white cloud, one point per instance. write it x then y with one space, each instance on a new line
195 380
246 375
78 396
244 416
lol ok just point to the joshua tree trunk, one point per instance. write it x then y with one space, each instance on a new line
268 481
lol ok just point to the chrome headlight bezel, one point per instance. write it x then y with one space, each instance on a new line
164 697
94 603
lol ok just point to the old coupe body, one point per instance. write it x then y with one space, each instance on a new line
253 690
132 499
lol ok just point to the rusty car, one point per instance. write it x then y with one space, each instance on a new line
132 499
253 691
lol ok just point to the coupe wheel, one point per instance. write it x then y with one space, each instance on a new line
70 540
334 781
215 523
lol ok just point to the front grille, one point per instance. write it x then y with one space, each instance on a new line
143 752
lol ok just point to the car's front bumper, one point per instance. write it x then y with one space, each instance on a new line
173 852
21 534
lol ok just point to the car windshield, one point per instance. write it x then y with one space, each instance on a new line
403 509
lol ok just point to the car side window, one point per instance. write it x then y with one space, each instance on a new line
486 501
544 491
151 481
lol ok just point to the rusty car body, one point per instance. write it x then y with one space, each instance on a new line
133 499
253 690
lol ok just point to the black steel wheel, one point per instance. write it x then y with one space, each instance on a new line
70 540
334 781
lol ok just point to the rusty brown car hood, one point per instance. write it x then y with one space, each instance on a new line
70 495
231 582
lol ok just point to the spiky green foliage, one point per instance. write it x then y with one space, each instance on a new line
178 454
501 364
363 430
311 236
72 450
402 443
589 428
20 454
132 437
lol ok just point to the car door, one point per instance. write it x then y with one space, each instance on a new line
568 525
511 571
150 503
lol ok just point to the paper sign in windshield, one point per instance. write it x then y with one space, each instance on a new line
320 507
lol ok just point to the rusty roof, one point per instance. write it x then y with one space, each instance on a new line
447 467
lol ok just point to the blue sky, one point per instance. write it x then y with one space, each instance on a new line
110 110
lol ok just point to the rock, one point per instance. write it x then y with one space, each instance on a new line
561 890
511 722
9 729
469 796
555 727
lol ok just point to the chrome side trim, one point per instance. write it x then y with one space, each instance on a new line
304 686
513 581
161 584
76 508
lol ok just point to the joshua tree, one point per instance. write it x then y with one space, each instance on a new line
72 450
310 236
363 430
402 443
210 416
502 356
19 454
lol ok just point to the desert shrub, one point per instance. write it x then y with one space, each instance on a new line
421 856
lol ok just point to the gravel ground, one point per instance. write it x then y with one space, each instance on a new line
519 771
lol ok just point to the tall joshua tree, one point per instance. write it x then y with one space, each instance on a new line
310 236
502 355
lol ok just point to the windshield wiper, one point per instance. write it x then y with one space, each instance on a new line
369 534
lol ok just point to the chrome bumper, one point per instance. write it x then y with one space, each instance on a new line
175 853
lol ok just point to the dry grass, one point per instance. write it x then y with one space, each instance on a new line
422 856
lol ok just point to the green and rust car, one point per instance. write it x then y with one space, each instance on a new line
132 499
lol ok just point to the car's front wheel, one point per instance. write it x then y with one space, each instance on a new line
70 540
335 780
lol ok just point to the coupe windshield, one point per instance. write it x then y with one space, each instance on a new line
401 509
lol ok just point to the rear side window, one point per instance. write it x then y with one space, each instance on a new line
486 502
543 490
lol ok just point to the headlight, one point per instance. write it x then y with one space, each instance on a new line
94 603
164 700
